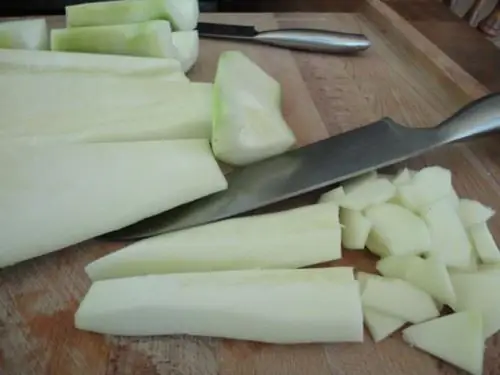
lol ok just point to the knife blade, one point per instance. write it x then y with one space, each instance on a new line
318 165
298 39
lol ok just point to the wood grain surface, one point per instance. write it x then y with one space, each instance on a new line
433 18
403 76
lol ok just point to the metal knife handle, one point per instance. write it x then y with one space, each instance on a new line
479 117
314 40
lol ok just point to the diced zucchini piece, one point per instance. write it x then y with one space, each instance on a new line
356 229
400 299
403 177
398 231
473 212
455 338
354 182
448 236
333 196
484 243
381 325
368 193
397 266
478 291
427 186
431 276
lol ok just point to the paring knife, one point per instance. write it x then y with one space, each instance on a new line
298 39
320 164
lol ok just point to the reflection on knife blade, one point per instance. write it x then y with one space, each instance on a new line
314 40
291 174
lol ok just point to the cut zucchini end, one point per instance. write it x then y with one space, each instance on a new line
237 142
159 38
147 39
187 44
248 125
29 34
183 14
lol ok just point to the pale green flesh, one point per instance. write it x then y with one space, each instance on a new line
376 244
361 192
403 177
495 267
426 187
149 39
397 266
455 338
276 306
363 278
81 107
478 291
484 243
74 62
381 325
448 236
247 122
431 276
187 44
356 182
368 193
183 14
6 40
398 298
332 196
472 212
62 194
336 195
24 34
356 229
266 241
396 230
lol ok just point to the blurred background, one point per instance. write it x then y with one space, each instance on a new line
483 15
35 7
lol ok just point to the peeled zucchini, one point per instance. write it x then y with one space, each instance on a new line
150 39
183 14
29 34
247 122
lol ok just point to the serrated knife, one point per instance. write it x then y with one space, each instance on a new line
313 40
319 165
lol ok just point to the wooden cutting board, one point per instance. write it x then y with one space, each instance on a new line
402 76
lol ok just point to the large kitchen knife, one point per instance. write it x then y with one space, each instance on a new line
321 164
299 39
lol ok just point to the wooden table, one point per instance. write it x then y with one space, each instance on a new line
404 76
465 45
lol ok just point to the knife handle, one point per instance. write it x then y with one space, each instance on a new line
476 118
314 40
